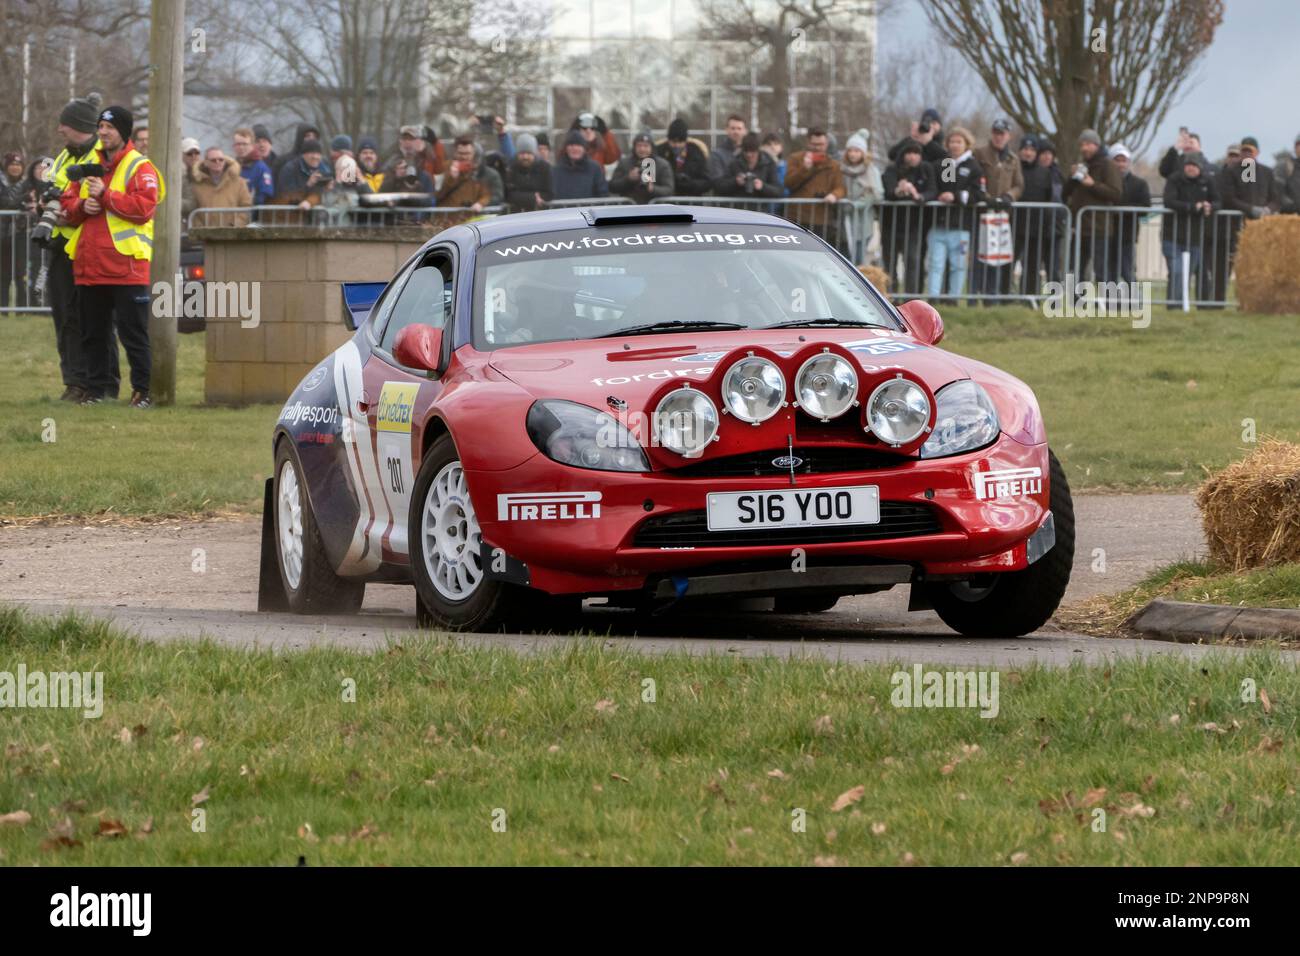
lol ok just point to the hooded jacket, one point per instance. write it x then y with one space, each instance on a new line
300 137
690 167
228 191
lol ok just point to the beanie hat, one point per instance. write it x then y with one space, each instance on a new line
1045 145
643 137
121 119
1194 159
342 142
1029 140
910 146
574 138
931 115
367 142
261 132
856 141
1090 136
82 114
526 143
677 130
310 146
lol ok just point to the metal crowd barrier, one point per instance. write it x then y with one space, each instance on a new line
23 264
1192 244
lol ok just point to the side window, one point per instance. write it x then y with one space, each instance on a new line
425 298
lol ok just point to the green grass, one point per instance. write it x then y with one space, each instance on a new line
1134 409
1200 582
184 459
441 735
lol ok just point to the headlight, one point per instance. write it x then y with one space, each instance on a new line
827 386
753 390
898 412
966 420
584 437
685 421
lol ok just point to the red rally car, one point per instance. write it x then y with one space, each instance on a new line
653 405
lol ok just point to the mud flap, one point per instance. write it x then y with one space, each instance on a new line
918 601
270 586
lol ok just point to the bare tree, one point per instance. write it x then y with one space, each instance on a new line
367 66
1115 66
782 28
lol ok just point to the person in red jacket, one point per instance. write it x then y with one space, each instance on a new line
110 250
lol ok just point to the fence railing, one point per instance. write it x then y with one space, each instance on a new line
402 212
23 264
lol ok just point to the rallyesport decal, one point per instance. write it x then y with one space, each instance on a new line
393 418
651 239
548 505
301 413
1008 483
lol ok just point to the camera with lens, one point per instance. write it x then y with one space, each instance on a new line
82 171
923 127
48 200
749 182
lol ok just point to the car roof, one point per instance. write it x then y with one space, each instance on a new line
577 217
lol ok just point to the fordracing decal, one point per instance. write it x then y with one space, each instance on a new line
653 376
548 505
1008 483
365 552
638 240
396 405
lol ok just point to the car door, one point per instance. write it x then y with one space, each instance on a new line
393 393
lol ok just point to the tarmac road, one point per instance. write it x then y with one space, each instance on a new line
179 581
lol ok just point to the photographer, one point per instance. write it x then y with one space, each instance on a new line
643 175
462 187
13 232
77 129
929 133
1094 181
752 173
110 247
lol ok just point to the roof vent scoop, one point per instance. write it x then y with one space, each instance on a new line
628 215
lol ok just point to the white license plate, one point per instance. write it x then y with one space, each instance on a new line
793 508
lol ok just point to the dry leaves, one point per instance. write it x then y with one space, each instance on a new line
606 707
200 797
112 828
18 818
824 726
776 774
848 798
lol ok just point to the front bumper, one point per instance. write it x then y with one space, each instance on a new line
569 530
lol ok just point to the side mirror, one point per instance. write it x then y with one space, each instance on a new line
923 321
419 346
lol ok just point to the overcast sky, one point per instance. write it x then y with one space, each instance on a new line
1246 85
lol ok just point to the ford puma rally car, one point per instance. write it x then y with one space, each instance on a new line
654 405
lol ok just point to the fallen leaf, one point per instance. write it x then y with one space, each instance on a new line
619 776
147 826
1093 797
877 829
124 735
139 730
53 843
196 744
1212 726
1019 857
1175 719
907 859
1148 783
1043 742
19 818
606 707
848 798
948 768
777 774
1269 745
111 828
1137 810
305 832
1263 699
199 797
553 749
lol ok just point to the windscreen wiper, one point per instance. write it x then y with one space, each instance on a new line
672 325
800 323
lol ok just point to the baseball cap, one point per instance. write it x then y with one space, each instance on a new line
1119 149
586 120
1002 126
190 145
1234 149
414 131
1250 141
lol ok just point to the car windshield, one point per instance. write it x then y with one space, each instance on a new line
651 277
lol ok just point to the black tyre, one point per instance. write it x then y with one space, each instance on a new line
453 591
310 584
805 603
1018 602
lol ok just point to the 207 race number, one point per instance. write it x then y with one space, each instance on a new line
793 508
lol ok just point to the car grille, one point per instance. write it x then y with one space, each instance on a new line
816 461
690 529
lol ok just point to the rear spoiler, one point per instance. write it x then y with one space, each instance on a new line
358 299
